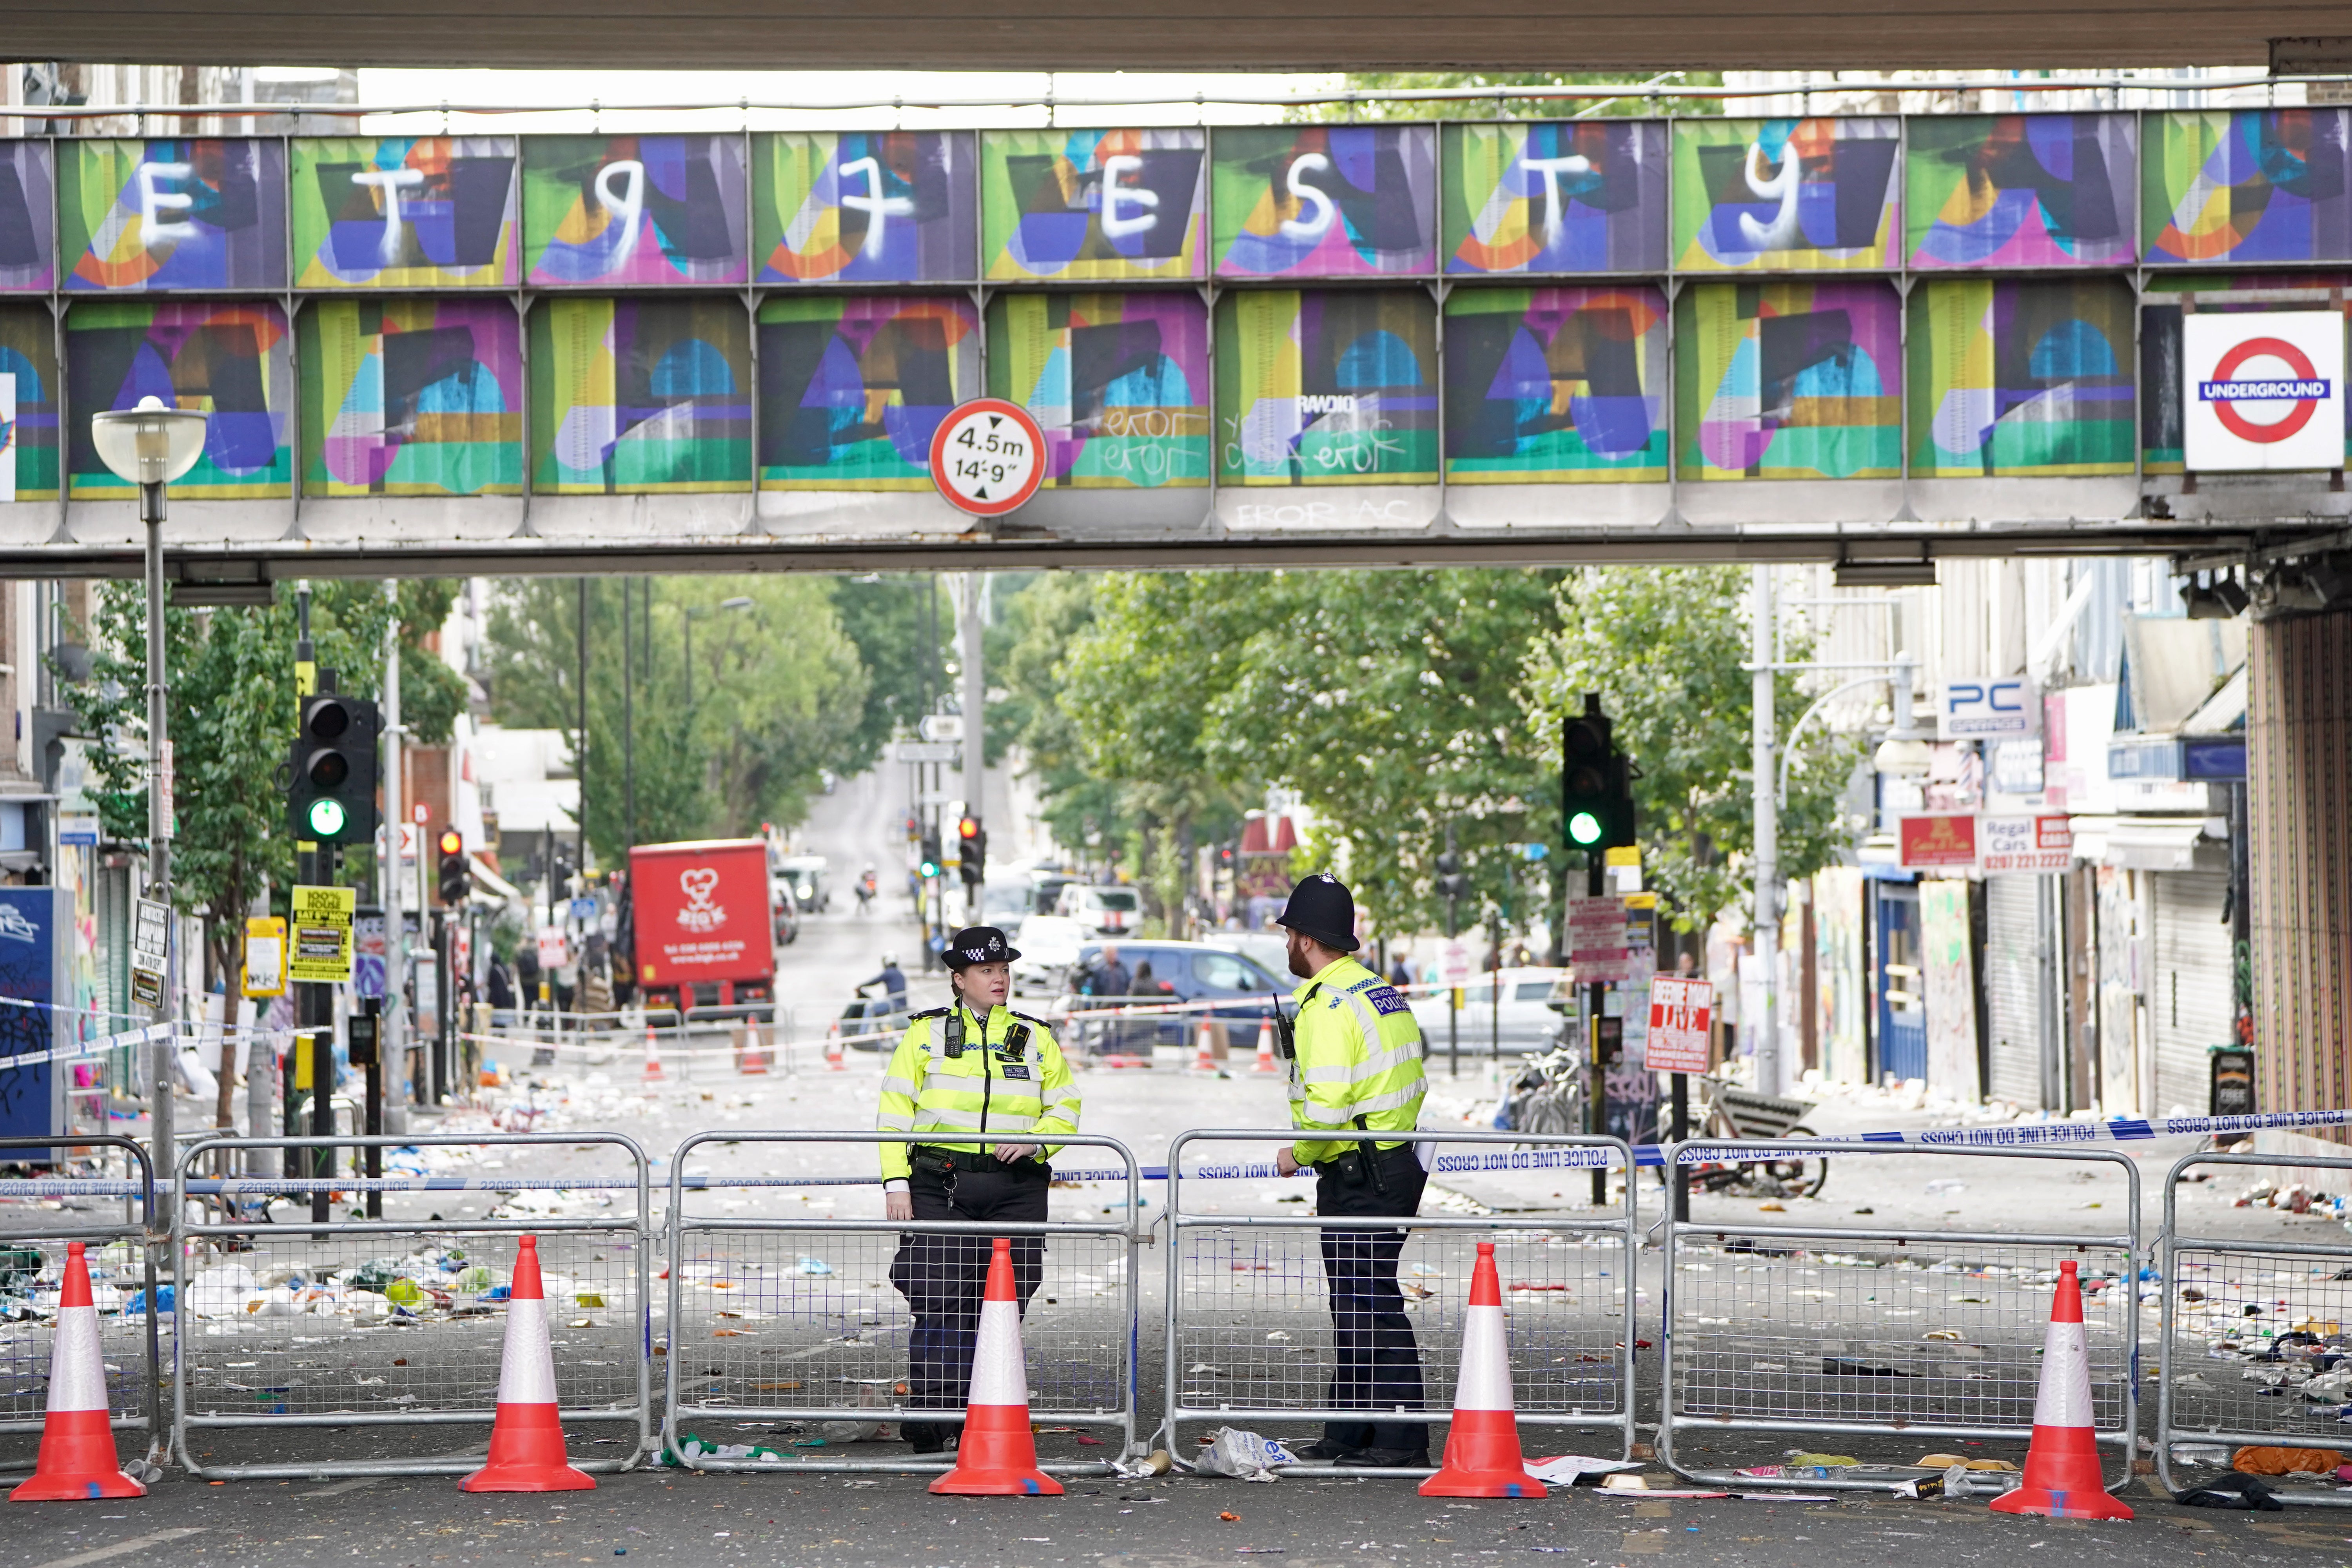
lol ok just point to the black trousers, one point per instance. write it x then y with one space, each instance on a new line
1378 1361
944 1278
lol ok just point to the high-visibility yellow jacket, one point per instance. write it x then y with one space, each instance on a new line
1358 1054
986 1096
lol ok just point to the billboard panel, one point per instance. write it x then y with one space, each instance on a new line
1119 384
231 360
2021 377
1789 381
1785 195
853 386
865 206
2248 185
154 214
1092 206
2019 190
1585 196
1326 388
28 403
1325 201
404 212
411 397
1556 385
28 255
640 397
2160 358
633 211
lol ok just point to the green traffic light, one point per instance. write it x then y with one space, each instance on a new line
930 868
1584 827
327 817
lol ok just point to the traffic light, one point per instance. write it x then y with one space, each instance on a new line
1453 882
456 871
971 853
1595 782
330 782
932 857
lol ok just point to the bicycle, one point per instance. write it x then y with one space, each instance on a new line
1733 1114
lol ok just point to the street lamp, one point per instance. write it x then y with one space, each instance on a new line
151 446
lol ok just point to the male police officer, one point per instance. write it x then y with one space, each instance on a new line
1356 1069
964 1077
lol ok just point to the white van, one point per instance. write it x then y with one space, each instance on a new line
1104 912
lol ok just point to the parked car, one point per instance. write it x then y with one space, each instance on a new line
1048 945
1525 1021
787 911
1269 950
805 875
1180 972
1105 911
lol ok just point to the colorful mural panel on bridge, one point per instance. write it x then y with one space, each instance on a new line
28 258
28 403
865 206
1785 195
633 211
1556 385
1325 201
156 215
1789 381
2160 426
853 387
2019 190
2021 378
640 397
1094 206
1119 384
405 212
411 397
2250 187
1586 195
231 360
1326 388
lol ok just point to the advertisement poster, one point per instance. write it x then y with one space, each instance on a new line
28 256
1326 388
28 359
1584 196
1679 1038
1785 195
2246 187
1948 955
404 212
158 215
232 360
865 206
853 386
2027 377
1790 381
1944 841
1093 206
633 211
32 1099
1556 385
2019 190
1325 201
1118 383
411 397
640 397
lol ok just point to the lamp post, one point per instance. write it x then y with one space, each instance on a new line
151 446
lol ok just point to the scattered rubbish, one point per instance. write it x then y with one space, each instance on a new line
1947 1184
1801 1459
2236 1491
1230 1517
2201 1454
1159 1462
1570 1469
1246 1455
692 1448
1781 1497
1279 1334
1847 1366
2269 1461
587 1298
1622 1483
814 1266
1772 1208
222 1290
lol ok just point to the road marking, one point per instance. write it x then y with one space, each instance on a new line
350 1486
137 1542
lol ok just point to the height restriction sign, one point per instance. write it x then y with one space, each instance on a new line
988 456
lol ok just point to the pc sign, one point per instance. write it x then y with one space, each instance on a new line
2263 390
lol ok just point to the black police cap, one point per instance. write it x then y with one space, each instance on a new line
978 944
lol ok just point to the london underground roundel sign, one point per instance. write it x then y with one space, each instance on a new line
2263 390
988 456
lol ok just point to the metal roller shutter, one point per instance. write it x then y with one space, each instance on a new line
2013 971
2188 992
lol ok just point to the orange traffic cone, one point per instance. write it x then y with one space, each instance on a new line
2061 1467
1206 1061
78 1460
653 1057
833 1048
1481 1451
997 1456
526 1440
753 1055
1264 1047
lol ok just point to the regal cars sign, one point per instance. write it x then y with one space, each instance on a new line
2263 390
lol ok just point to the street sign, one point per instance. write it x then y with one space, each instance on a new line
2262 389
553 953
1453 963
2011 844
1606 941
150 938
1945 841
408 834
583 909
1679 1033
265 956
1972 708
323 952
988 456
941 727
78 830
164 785
928 751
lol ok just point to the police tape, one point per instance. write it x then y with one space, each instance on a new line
90 1047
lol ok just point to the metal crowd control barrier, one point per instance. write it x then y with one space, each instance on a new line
286 1328
1248 1325
1771 1324
775 1319
120 1256
2247 1326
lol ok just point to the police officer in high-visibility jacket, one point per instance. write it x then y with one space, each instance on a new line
986 1090
1355 1068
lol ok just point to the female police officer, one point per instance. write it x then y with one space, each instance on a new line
984 1090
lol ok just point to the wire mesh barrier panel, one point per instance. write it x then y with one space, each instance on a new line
41 1215
2251 1343
795 1342
1274 1316
1822 1332
358 1348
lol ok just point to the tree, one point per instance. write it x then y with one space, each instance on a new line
1666 647
898 625
1639 103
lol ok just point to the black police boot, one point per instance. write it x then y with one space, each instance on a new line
1325 1451
1386 1459
924 1437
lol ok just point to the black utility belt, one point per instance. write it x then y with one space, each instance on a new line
927 1157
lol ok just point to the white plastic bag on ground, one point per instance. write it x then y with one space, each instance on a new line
1245 1455
1568 1470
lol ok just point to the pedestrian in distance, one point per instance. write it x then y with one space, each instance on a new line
985 1090
1355 1072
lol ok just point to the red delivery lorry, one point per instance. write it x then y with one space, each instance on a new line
702 932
